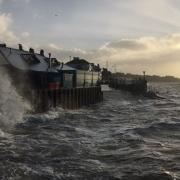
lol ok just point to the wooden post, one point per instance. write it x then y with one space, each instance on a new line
62 97
83 96
77 99
72 94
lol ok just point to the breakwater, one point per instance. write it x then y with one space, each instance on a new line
67 98
135 86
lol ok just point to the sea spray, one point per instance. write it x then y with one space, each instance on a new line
12 105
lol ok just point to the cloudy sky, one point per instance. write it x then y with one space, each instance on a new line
132 35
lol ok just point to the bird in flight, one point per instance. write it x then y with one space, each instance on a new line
58 13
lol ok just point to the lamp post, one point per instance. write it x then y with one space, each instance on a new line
144 73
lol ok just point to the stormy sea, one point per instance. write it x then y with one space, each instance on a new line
125 137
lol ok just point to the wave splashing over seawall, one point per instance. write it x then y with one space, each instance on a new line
12 105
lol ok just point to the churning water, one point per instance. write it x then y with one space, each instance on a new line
125 137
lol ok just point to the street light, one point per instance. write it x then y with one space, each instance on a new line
144 73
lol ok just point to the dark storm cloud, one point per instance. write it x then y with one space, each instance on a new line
127 44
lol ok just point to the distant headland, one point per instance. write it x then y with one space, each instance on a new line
150 78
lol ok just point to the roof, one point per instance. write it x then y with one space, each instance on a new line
77 60
67 68
80 64
24 60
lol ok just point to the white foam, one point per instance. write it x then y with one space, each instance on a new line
105 87
12 105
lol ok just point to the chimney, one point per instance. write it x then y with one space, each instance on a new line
42 52
50 63
20 47
31 50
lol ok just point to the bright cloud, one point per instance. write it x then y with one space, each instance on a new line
54 46
5 31
155 55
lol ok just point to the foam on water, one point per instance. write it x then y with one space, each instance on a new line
124 138
12 105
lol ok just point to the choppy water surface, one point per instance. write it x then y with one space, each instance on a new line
124 137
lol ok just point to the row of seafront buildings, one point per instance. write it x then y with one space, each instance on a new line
40 71
46 80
